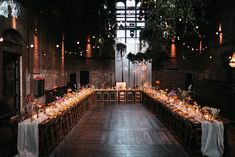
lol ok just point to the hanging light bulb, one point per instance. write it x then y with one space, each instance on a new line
232 61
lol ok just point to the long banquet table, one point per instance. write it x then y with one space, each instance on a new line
207 138
41 136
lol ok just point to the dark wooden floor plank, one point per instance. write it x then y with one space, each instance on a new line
126 130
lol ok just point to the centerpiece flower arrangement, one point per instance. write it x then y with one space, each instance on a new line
211 110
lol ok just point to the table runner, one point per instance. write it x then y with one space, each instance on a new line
28 137
212 142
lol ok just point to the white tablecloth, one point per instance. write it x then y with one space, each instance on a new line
28 137
212 139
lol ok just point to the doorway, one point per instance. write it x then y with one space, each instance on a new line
84 77
11 82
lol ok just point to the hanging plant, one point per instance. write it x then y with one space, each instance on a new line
121 49
138 57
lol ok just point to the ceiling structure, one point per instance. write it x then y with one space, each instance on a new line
76 18
79 18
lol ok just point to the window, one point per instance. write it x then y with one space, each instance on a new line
120 5
130 3
138 5
120 33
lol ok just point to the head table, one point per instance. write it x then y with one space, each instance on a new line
39 134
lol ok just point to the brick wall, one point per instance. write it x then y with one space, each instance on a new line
170 78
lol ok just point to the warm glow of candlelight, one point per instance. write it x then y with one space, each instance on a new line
232 61
34 116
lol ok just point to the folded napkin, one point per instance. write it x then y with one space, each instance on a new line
212 142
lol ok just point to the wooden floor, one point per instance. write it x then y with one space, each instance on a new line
126 130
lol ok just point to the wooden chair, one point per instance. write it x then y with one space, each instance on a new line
59 132
121 97
105 96
138 97
46 141
113 97
130 97
98 97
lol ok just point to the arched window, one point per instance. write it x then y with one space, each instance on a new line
120 5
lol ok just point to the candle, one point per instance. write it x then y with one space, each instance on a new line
47 110
211 118
206 117
34 116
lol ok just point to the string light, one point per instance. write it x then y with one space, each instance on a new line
31 45
1 39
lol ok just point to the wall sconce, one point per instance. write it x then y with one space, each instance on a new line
232 61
